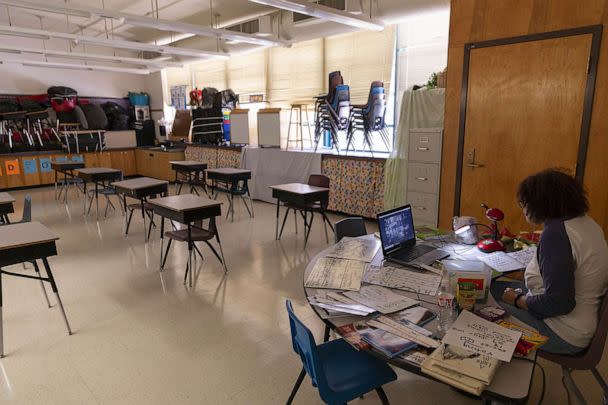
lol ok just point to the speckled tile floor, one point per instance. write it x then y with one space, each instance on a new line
142 337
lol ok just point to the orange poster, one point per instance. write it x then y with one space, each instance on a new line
12 167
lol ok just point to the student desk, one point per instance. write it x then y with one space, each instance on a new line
140 189
67 169
512 381
186 209
97 176
300 195
229 179
28 242
191 170
6 207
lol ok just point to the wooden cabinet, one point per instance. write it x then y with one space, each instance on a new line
104 159
155 163
130 166
91 160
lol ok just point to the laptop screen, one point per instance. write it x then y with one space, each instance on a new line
396 228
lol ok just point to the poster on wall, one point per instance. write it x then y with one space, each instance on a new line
45 165
30 166
12 167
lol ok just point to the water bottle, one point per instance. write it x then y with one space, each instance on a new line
447 306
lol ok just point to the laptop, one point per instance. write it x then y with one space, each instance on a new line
398 239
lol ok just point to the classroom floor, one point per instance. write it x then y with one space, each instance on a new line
143 337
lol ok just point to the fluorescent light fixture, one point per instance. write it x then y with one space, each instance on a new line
33 36
80 67
325 13
114 43
159 24
89 56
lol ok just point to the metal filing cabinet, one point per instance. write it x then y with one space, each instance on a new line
424 171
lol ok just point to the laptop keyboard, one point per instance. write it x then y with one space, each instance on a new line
408 255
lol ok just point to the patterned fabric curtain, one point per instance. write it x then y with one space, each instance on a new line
420 109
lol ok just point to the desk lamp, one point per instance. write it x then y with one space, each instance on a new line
493 243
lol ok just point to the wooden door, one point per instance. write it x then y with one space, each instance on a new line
129 162
524 111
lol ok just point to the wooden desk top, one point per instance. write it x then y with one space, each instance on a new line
187 163
299 188
98 170
138 183
6 198
25 234
184 202
228 170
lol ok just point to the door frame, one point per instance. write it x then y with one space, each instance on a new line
596 37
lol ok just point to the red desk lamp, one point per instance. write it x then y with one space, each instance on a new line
493 243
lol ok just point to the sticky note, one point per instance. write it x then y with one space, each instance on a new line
29 166
45 165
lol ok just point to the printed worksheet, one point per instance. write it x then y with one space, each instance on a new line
338 274
524 256
402 279
363 249
381 299
484 337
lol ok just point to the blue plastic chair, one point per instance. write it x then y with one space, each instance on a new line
340 372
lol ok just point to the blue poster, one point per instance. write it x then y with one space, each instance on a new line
78 158
29 166
45 165
62 159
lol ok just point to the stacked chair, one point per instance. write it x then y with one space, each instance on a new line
369 118
332 111
208 119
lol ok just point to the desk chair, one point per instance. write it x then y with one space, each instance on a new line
588 359
199 234
239 188
27 217
340 372
148 210
107 191
352 227
318 180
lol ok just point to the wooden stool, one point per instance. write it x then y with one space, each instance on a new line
300 110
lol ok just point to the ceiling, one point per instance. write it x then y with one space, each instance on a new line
199 12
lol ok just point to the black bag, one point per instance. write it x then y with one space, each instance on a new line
32 106
118 122
67 117
9 106
96 117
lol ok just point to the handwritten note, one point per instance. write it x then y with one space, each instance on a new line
504 262
523 256
486 338
336 274
381 299
402 279
363 249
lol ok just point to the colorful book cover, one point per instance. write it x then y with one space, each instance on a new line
351 335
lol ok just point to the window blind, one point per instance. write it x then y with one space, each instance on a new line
210 74
247 73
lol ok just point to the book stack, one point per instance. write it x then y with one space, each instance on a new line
461 368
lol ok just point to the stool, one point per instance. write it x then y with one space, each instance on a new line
300 110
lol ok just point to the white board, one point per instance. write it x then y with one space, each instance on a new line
269 128
239 127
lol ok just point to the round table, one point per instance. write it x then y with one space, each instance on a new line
512 380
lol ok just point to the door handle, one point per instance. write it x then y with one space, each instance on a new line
422 148
422 178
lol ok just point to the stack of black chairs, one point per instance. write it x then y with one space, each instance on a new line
369 118
208 119
332 111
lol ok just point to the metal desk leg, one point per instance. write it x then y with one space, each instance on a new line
176 183
276 231
96 201
1 320
37 269
190 243
56 185
84 185
162 240
124 203
143 215
54 287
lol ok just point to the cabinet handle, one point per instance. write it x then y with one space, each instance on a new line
422 178
424 148
420 208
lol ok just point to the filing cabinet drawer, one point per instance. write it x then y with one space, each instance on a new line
425 145
424 208
423 177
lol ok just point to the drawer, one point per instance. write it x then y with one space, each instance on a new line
425 208
425 145
423 177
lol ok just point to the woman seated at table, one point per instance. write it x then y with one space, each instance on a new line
566 281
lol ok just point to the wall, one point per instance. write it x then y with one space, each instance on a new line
17 79
478 20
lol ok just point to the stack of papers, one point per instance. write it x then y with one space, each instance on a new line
381 299
362 249
337 274
461 368
337 304
402 279
505 262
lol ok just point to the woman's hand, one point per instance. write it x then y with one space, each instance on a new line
509 295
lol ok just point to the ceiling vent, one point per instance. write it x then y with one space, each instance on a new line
261 26
303 19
